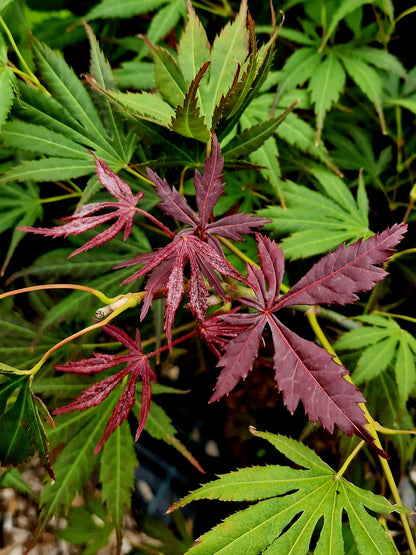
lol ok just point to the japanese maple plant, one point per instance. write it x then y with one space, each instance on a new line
304 372
213 271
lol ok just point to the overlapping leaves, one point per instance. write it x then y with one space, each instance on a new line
197 243
303 371
291 504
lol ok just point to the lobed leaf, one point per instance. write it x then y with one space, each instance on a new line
326 85
292 504
187 120
117 467
337 277
318 221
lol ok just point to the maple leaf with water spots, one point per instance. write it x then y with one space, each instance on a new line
86 218
138 366
196 244
303 371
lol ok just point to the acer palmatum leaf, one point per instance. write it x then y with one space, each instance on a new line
85 219
168 266
196 244
138 366
339 275
303 371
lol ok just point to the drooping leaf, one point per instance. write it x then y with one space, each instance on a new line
368 80
22 424
317 221
159 426
75 462
291 503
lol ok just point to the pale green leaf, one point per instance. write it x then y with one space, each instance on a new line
382 342
168 77
135 74
382 60
404 103
194 48
117 467
229 49
145 106
326 85
404 369
292 504
7 81
101 71
108 9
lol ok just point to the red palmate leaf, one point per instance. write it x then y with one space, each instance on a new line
303 371
85 218
196 244
138 366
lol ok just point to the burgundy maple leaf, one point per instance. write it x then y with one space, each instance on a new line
86 218
303 371
137 366
196 244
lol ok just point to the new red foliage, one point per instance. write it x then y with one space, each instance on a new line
138 366
195 244
303 371
83 220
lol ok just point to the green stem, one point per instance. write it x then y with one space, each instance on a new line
350 458
30 75
396 316
103 298
372 427
137 174
58 198
130 301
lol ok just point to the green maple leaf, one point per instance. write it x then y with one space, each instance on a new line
291 506
382 342
318 221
